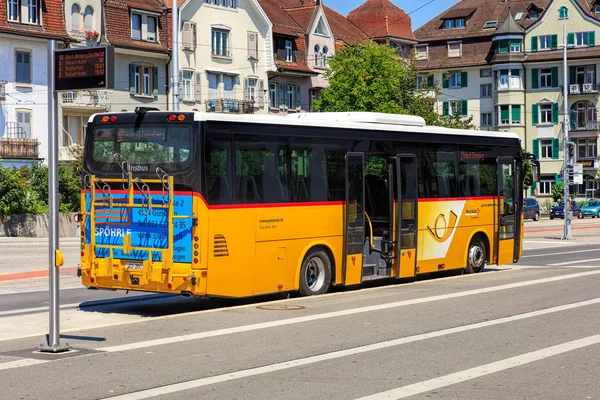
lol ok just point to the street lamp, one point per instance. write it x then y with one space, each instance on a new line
563 13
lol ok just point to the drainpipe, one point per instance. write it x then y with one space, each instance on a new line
175 55
166 11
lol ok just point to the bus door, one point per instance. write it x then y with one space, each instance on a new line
406 212
508 227
354 219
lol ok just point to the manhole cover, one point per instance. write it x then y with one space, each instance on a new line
280 307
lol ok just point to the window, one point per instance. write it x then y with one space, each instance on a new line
136 26
587 148
533 14
509 78
288 50
584 74
545 185
421 80
519 16
545 42
504 117
321 28
440 171
563 13
317 51
314 94
545 77
581 38
146 77
186 85
460 23
88 19
23 67
486 90
515 46
455 80
213 83
13 10
290 101
597 9
220 43
449 23
325 55
144 27
546 148
421 52
228 83
486 119
490 24
273 95
24 11
222 3
75 15
585 117
515 114
24 122
143 80
484 73
546 113
251 89
454 49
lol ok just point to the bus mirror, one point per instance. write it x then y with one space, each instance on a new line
535 171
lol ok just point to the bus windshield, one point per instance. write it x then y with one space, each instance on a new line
145 147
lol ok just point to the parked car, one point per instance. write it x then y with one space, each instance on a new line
558 211
591 209
531 209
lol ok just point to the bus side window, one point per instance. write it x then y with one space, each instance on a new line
309 174
217 167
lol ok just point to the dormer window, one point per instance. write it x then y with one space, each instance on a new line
321 28
24 11
533 14
597 9
490 24
144 27
454 23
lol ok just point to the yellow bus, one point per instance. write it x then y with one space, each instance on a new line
208 204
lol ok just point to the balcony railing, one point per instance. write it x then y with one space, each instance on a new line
577 125
229 106
19 148
87 98
583 88
282 55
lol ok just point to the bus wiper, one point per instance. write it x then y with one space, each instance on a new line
166 187
125 166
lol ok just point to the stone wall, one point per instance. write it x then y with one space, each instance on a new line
36 226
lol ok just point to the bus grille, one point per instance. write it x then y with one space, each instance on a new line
221 246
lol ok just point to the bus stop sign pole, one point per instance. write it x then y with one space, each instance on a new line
53 344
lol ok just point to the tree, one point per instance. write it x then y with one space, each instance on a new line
372 78
558 191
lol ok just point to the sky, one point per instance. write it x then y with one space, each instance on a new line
419 16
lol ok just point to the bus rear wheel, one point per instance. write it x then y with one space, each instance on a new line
315 274
476 258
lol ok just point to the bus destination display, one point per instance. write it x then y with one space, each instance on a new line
84 69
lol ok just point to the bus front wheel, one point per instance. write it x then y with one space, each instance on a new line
476 257
315 274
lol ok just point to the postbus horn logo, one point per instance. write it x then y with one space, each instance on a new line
442 229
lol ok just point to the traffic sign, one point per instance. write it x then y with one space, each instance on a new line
88 68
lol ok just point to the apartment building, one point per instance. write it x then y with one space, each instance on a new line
502 64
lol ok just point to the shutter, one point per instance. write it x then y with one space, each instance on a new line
515 43
535 78
515 72
246 94
503 46
445 80
430 81
536 147
180 85
253 45
573 116
131 79
194 40
594 75
503 113
555 113
515 113
463 79
155 82
186 36
445 108
591 38
554 76
534 43
298 98
261 93
571 39
554 42
282 95
463 108
572 76
197 87
555 148
535 115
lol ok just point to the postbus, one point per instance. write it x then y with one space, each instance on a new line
208 204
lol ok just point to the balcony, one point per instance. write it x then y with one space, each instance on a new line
233 106
583 88
19 148
282 55
589 125
87 98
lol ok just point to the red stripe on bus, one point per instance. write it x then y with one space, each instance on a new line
458 198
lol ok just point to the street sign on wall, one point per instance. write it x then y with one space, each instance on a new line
88 68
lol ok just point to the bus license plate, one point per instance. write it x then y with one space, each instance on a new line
134 265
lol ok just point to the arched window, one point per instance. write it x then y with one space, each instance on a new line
75 15
88 19
317 50
584 116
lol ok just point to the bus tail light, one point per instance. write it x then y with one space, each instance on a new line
196 238
172 117
181 117
105 119
170 285
92 279
195 261
113 118
83 254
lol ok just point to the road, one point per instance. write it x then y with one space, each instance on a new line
521 331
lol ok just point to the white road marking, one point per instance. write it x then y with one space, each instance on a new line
196 383
561 253
39 291
25 362
35 309
574 262
549 267
482 370
549 242
333 314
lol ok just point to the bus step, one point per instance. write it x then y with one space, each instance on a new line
369 269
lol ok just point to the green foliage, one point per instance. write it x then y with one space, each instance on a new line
527 174
558 191
25 190
372 78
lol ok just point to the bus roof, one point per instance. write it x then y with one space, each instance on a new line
346 120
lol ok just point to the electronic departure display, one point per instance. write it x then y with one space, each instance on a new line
87 68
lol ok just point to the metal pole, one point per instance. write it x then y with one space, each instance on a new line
53 344
175 56
567 228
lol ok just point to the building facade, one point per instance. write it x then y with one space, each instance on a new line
503 65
